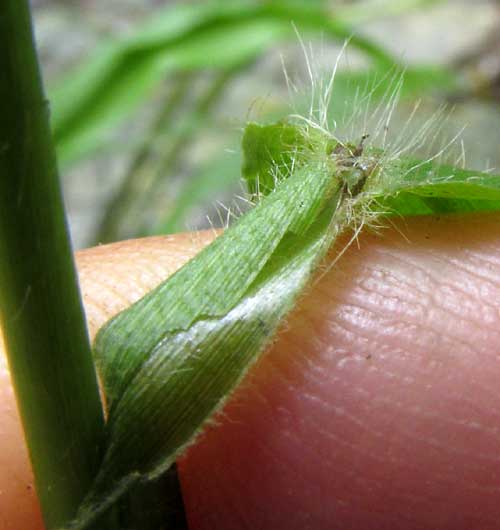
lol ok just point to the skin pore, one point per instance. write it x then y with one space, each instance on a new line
376 407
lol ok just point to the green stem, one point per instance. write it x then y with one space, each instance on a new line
40 308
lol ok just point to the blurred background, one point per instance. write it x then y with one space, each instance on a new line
149 97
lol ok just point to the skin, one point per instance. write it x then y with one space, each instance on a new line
376 407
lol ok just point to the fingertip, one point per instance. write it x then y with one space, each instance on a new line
19 506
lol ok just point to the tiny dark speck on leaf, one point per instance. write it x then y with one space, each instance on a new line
263 326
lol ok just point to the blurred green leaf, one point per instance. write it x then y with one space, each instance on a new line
95 98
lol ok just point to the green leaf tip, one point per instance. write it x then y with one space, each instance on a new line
272 152
268 149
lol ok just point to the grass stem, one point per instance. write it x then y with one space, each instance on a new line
40 307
